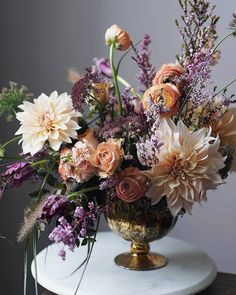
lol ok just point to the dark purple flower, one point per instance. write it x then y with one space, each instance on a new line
109 182
80 90
130 126
54 205
102 66
17 173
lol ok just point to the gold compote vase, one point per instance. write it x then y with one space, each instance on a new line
140 223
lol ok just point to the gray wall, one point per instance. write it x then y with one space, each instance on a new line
40 40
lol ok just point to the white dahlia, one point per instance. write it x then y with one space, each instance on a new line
50 118
188 164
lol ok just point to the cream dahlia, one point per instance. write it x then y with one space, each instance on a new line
188 164
49 118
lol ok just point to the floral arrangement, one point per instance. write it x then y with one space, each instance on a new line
171 138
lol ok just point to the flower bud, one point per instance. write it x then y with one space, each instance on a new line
101 92
116 35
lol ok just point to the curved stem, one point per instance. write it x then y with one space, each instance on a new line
126 84
225 87
11 141
85 190
115 79
221 41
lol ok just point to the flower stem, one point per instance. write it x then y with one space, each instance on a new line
221 41
112 47
233 81
126 84
85 190
11 141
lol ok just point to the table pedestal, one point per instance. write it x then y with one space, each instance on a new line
189 270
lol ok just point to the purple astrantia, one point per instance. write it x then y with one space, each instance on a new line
17 173
142 58
53 206
102 66
80 90
64 233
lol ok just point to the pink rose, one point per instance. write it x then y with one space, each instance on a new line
132 185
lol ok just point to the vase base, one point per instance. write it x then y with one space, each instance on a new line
147 261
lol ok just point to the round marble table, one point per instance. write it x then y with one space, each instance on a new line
188 271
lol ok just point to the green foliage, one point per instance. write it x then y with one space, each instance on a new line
11 98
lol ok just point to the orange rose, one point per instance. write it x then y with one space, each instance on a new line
132 185
107 158
167 73
88 135
165 94
121 37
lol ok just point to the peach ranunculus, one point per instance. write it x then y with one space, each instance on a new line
74 163
119 36
107 158
132 185
163 94
167 74
89 136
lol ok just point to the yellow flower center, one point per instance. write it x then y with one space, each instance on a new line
45 121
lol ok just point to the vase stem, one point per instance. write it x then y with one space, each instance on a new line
140 248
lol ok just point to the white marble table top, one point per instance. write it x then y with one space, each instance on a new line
188 271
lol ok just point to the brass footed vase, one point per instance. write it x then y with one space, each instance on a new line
140 223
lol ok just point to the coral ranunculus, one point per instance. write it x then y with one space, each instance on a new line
107 158
168 73
121 37
163 94
132 185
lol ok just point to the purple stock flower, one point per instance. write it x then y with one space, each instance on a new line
102 66
54 205
142 58
64 233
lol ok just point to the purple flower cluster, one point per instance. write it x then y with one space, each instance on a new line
54 205
197 77
15 174
81 89
67 232
64 233
102 66
122 127
142 58
109 182
84 217
148 148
